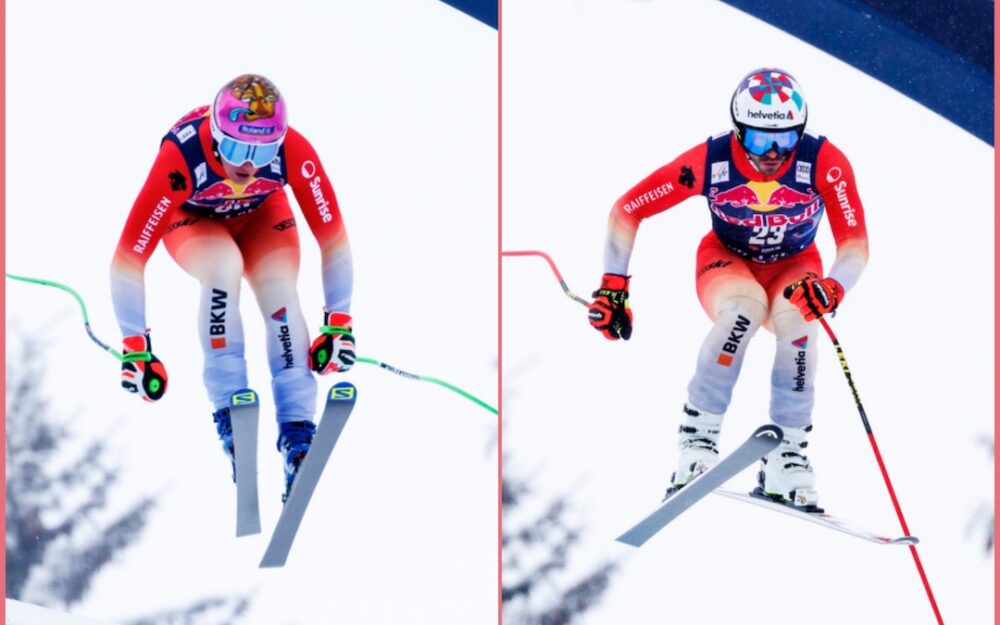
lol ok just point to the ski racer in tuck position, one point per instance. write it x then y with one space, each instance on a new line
215 196
768 183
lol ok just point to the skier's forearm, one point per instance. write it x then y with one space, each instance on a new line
338 277
852 256
128 295
620 239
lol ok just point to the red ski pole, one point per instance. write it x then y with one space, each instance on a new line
555 270
881 466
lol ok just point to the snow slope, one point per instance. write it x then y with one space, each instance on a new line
19 613
596 96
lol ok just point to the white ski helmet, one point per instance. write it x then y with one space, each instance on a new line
769 112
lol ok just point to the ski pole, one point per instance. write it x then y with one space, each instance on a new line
881 465
83 310
423 378
132 356
555 270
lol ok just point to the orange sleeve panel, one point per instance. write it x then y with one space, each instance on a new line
668 186
167 187
314 194
836 186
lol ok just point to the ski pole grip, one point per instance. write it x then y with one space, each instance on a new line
337 330
137 356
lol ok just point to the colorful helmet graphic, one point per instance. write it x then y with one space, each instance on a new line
769 112
249 120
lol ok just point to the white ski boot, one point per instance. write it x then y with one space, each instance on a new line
699 446
786 475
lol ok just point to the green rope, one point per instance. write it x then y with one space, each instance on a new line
133 356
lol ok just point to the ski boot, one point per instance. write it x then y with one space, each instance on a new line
786 476
224 426
294 438
699 445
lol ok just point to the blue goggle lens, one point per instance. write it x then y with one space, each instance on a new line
760 142
237 152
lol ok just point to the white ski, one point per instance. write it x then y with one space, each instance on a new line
243 413
339 404
820 518
764 439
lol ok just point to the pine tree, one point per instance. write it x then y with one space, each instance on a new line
213 611
983 521
54 543
537 543
58 535
536 553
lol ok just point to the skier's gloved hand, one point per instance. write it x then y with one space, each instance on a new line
334 349
609 312
815 296
142 372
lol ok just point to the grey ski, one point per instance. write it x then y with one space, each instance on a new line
764 439
339 404
243 413
823 519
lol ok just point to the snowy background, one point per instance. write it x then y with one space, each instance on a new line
18 613
596 96
400 100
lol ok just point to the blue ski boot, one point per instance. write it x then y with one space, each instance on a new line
294 438
224 426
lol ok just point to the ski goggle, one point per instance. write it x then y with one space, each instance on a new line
760 142
239 152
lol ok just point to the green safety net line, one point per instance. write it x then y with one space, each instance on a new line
133 356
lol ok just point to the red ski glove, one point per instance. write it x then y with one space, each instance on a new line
609 313
142 372
815 297
333 350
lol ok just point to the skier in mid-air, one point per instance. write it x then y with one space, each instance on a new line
768 183
216 197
